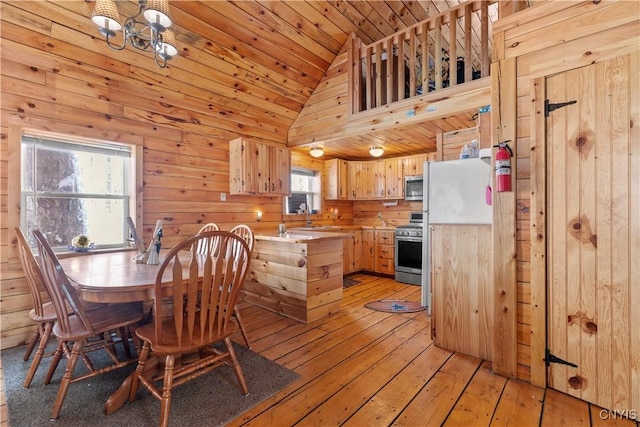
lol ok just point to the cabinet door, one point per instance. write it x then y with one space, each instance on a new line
368 251
377 179
279 170
348 250
414 165
262 153
394 187
359 180
335 187
243 164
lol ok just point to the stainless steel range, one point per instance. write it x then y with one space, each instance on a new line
408 250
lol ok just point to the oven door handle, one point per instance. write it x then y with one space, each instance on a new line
408 239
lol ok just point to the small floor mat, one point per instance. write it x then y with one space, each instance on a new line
347 281
395 306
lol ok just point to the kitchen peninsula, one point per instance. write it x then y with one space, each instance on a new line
297 274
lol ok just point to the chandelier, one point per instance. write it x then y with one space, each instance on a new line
376 150
152 35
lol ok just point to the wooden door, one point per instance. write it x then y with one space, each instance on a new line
593 224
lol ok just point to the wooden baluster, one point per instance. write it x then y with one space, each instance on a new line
468 53
453 48
424 50
389 70
399 68
412 62
378 59
484 39
438 52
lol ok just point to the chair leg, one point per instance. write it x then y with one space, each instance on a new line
135 380
236 313
167 384
44 339
66 379
32 344
54 362
236 366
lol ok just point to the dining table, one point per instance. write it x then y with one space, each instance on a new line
110 277
115 277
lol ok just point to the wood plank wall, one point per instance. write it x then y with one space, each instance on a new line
554 37
58 79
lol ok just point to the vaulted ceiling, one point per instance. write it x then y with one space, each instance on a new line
285 47
253 63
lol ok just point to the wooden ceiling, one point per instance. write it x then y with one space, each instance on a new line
284 48
244 67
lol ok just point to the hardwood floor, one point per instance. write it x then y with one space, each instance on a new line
361 367
366 368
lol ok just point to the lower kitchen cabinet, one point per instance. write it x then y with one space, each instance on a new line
384 252
352 253
378 251
368 260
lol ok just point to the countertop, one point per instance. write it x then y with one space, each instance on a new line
301 236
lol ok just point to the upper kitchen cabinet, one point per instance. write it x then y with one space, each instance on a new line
258 168
414 165
393 178
336 176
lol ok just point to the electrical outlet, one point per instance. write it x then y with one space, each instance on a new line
223 197
379 215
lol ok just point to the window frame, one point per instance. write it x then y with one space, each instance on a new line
316 194
18 126
79 145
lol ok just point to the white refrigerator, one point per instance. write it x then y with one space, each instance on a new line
455 192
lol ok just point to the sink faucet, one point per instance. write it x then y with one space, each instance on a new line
308 213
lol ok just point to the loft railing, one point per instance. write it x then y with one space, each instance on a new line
422 58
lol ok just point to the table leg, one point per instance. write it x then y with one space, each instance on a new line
121 395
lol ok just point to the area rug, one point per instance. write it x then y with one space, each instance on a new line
212 400
348 281
395 306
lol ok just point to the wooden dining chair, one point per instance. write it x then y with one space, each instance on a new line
89 330
43 313
202 244
194 296
246 233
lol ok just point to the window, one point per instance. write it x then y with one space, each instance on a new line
305 192
76 187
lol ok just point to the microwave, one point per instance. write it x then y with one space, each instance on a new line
413 187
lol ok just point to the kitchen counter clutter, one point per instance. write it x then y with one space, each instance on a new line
297 274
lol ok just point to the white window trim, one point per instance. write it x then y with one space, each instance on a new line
20 125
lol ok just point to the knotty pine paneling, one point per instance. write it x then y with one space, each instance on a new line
555 37
58 76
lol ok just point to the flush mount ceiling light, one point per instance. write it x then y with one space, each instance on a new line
376 151
316 152
152 35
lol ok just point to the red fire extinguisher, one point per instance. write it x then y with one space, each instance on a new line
503 167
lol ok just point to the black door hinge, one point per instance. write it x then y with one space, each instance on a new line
548 107
550 358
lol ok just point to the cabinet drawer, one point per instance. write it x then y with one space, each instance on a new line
385 251
384 266
385 237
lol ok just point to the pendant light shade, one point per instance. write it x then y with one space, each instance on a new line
157 14
105 15
376 151
167 49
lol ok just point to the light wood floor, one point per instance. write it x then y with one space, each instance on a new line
366 368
